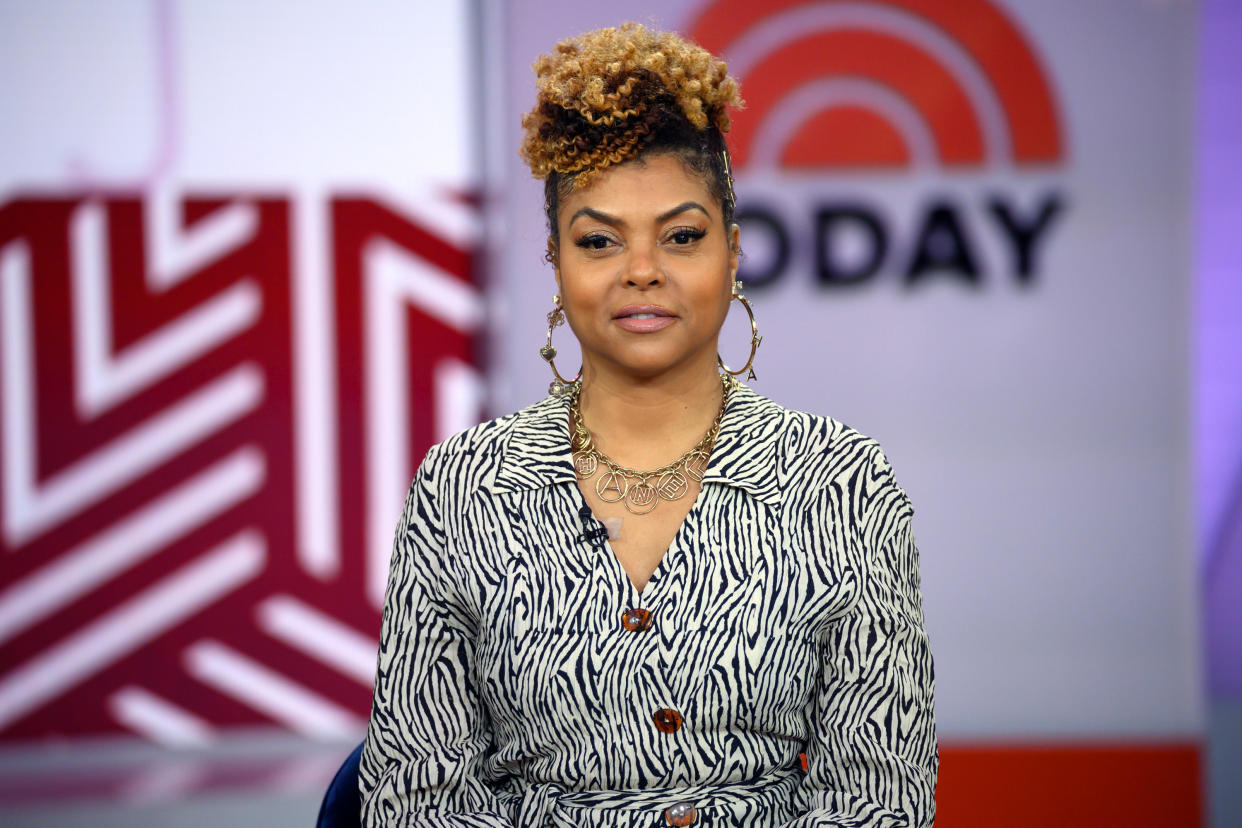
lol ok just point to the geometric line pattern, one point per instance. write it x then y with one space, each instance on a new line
157 355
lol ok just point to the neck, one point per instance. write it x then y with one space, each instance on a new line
648 422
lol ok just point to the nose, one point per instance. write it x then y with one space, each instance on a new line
642 270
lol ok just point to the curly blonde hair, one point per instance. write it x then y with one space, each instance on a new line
614 94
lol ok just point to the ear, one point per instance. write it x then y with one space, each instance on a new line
735 248
551 257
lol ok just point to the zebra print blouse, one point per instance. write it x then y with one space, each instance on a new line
784 676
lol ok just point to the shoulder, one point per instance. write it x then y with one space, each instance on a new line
474 453
819 456
816 445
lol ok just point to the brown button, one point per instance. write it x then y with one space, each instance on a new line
666 720
680 814
636 619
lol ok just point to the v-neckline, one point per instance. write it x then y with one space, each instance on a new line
662 566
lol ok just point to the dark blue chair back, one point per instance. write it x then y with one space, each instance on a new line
342 806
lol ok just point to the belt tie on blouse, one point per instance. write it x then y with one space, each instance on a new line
537 803
548 804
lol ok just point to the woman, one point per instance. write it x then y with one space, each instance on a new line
743 644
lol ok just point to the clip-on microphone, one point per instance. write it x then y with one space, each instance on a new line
592 531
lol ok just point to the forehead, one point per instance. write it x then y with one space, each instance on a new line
647 185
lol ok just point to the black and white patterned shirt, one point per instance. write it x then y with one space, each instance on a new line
785 628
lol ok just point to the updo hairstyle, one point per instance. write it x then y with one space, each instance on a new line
616 94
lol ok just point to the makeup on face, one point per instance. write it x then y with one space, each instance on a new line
644 265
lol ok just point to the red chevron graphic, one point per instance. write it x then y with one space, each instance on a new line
168 571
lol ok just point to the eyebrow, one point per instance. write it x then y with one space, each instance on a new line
619 222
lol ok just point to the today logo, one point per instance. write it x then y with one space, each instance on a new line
875 131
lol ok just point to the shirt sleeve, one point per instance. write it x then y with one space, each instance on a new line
872 759
428 729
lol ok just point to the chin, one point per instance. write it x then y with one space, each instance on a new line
646 370
649 366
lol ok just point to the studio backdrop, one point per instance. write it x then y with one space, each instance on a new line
256 258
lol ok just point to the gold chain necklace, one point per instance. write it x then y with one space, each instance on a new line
642 495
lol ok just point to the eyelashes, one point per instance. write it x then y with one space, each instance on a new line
681 237
593 241
687 235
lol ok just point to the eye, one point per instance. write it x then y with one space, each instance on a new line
593 241
684 236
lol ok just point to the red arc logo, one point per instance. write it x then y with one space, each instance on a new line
883 83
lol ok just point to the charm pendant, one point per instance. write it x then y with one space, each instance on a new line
611 486
672 485
696 464
641 498
585 464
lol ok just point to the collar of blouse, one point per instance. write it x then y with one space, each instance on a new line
745 455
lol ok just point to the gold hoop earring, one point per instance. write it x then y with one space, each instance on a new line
755 338
559 385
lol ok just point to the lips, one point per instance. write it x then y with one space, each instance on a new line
643 318
642 311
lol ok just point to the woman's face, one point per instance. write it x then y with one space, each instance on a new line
641 238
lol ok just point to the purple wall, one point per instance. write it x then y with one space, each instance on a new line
1219 346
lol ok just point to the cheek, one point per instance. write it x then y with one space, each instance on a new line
583 301
718 298
724 312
